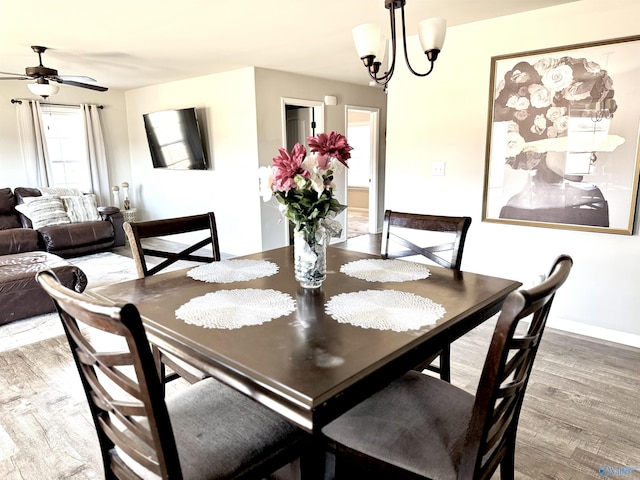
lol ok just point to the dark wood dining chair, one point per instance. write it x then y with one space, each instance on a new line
137 232
438 238
206 430
422 427
161 230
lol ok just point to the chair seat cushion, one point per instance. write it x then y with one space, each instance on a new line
221 433
389 425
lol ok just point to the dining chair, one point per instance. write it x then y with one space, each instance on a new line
160 230
438 238
422 427
206 430
137 232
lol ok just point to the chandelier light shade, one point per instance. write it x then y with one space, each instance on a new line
431 32
43 88
371 44
367 39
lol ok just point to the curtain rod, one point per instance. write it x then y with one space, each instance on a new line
19 102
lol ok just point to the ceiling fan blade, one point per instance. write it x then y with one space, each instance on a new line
15 78
14 74
77 78
80 84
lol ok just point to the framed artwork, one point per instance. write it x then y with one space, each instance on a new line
563 137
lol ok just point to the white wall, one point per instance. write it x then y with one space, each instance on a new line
225 105
114 123
444 118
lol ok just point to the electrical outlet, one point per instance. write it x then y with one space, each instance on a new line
437 169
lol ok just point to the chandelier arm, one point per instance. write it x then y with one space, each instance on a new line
386 76
406 52
384 79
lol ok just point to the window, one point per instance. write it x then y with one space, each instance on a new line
68 160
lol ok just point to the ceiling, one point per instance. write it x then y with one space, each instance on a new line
127 44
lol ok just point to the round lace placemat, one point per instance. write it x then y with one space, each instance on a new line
379 270
227 271
384 310
229 309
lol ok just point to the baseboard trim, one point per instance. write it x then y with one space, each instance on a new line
601 333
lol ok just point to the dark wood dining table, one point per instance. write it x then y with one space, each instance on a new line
307 366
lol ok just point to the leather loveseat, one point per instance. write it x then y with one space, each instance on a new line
65 240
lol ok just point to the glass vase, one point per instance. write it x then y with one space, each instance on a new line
310 254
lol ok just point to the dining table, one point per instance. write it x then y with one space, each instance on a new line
309 354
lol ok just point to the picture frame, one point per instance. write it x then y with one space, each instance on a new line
563 129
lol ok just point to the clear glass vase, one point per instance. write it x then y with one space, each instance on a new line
310 254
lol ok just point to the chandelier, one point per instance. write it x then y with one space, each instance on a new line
371 45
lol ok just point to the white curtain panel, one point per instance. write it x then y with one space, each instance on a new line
97 154
33 143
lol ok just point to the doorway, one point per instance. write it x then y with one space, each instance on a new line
362 176
301 119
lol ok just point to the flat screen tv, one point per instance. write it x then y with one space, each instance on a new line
174 139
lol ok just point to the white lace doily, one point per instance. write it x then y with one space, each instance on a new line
231 309
379 270
384 310
227 271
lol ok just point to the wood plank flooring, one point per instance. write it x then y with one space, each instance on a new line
581 411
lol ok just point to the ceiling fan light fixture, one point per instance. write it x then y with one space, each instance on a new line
43 88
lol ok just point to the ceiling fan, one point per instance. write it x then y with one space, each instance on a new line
42 75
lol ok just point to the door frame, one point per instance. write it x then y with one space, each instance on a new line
374 126
318 106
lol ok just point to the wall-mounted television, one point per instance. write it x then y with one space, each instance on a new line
174 139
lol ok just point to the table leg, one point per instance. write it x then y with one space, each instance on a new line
315 463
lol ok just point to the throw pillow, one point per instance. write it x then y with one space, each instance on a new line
46 210
59 191
23 208
81 208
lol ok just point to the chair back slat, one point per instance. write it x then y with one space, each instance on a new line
120 380
505 375
138 231
135 450
451 235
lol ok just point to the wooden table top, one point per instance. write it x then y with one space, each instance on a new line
306 365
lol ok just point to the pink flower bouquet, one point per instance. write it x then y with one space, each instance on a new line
304 184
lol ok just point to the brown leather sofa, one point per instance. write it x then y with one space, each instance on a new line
20 295
25 251
67 240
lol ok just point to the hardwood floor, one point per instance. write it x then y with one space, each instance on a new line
580 412
357 222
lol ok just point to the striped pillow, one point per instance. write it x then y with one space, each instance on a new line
60 191
81 208
46 210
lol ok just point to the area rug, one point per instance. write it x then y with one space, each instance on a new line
100 268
